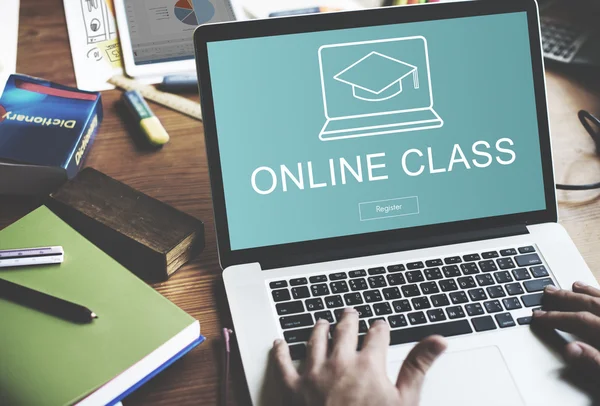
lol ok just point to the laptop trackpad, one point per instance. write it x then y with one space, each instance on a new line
470 378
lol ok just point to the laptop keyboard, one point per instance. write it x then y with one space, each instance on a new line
451 296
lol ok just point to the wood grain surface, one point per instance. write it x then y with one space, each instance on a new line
178 175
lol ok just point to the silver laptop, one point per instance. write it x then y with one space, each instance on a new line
336 183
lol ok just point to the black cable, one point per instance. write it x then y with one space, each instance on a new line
586 119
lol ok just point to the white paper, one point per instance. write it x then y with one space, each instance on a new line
262 8
9 36
94 42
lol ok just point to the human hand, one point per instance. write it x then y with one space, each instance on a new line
578 313
347 377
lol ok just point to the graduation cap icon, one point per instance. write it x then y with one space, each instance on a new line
377 77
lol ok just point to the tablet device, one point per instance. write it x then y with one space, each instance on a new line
157 35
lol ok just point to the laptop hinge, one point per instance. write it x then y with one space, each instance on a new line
394 246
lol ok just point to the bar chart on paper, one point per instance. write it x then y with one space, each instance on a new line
194 12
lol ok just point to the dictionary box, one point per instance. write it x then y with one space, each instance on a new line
46 132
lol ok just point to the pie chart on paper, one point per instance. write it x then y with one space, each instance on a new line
190 15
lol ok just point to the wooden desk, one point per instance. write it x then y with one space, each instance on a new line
178 176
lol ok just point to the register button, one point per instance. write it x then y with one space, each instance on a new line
381 209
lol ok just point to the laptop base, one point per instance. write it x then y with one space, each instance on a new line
416 120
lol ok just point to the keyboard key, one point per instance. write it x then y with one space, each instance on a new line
495 292
391 293
448 285
505 263
339 287
511 303
396 268
514 289
417 318
469 268
471 257
415 265
455 312
490 255
458 297
320 289
432 274
528 260
318 279
420 303
358 273
338 313
436 315
429 287
474 309
278 284
352 299
372 296
324 315
503 277
372 321
281 295
298 351
477 294
521 274
296 336
362 327
364 311
509 252
401 306
452 260
336 276
440 300
377 271
298 281
526 250
410 290
493 306
451 271
488 265
414 334
312 304
377 282
358 284
484 323
537 285
466 282
485 279
290 307
434 262
505 320
397 320
396 279
300 320
382 308
414 276
336 301
524 320
539 271
300 292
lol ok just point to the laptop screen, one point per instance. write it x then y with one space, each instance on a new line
345 132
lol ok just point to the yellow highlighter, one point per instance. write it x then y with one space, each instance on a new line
148 122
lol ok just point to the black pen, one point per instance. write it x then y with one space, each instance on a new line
45 303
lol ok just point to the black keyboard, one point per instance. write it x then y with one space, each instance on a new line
461 294
560 40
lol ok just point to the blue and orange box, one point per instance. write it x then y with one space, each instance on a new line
46 132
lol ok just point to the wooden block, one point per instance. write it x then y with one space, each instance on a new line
150 238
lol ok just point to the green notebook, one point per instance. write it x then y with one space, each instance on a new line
45 360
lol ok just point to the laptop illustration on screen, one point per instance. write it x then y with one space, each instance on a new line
376 87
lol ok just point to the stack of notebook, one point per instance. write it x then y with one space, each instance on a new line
46 360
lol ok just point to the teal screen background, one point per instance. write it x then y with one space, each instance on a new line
269 111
